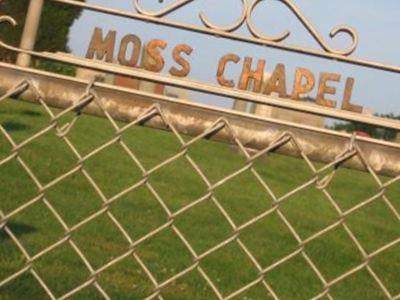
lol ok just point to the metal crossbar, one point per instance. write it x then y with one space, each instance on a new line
318 179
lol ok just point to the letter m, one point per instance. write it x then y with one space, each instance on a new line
102 47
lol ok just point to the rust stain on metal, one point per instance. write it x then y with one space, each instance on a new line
348 91
326 89
277 82
255 75
100 47
300 87
183 63
154 61
128 40
221 69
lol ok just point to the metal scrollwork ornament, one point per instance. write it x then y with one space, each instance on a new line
247 17
11 21
310 28
231 28
163 12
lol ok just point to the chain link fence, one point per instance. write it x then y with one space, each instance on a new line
319 281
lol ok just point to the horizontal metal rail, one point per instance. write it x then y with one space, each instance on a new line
226 92
193 119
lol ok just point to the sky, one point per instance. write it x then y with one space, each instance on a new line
375 21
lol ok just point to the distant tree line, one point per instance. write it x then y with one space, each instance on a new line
53 34
373 131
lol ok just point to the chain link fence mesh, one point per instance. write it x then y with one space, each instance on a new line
190 258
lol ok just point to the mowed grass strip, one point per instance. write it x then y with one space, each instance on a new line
204 226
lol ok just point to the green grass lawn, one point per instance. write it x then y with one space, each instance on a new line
204 226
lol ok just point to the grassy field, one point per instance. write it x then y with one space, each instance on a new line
204 226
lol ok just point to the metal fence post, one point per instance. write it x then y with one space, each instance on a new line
30 31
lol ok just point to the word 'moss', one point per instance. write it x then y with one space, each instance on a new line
103 48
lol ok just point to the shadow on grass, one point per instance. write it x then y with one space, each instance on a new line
14 126
31 113
17 229
26 112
